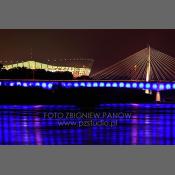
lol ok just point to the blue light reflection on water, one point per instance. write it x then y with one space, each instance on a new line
150 124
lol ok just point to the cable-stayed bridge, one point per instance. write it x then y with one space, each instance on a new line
148 64
148 69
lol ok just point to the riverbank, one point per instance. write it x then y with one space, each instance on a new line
78 96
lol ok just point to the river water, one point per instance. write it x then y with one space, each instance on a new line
111 124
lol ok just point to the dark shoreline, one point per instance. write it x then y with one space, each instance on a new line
79 96
76 96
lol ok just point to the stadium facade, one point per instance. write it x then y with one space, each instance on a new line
78 67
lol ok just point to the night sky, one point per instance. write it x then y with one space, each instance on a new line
104 46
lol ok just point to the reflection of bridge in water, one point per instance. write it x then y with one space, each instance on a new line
148 69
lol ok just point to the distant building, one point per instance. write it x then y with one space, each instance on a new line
78 67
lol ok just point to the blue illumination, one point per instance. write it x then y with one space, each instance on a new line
37 84
108 84
141 85
121 84
114 84
148 85
168 86
63 84
128 85
161 86
95 84
50 85
24 84
174 86
18 83
30 84
69 84
102 84
44 85
20 127
154 86
134 85
88 84
82 84
12 84
76 84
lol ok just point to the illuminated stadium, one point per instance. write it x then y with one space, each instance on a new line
78 67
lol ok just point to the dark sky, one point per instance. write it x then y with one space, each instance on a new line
104 46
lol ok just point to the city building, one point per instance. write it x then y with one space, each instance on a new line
78 67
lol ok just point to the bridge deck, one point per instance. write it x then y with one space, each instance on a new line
53 84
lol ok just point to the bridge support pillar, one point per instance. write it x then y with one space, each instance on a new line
158 97
147 91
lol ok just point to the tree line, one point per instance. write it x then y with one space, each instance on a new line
25 73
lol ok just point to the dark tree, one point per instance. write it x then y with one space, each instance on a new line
1 66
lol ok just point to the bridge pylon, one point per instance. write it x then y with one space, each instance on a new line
148 69
158 97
